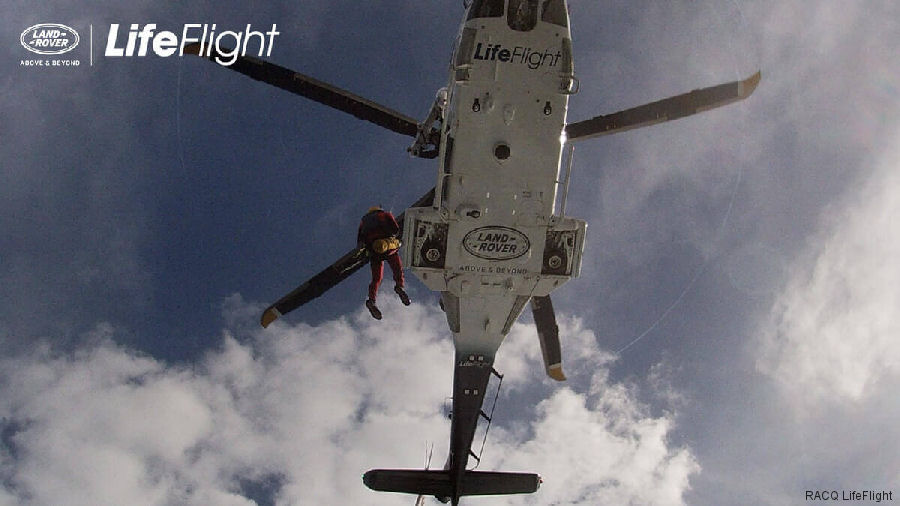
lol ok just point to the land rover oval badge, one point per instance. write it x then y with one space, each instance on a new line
496 243
49 38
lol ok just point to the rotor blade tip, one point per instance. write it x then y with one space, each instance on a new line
555 371
269 316
748 86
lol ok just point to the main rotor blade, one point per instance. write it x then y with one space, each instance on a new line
351 262
317 285
548 333
667 109
314 89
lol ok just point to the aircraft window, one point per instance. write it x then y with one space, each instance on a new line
522 14
486 9
554 11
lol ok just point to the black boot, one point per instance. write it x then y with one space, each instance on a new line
402 294
373 309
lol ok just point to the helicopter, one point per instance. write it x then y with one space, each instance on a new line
489 237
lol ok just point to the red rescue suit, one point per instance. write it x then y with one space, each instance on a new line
379 224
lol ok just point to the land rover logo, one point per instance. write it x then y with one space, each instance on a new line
496 243
49 38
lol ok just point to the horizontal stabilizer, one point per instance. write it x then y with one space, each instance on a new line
495 483
409 481
438 483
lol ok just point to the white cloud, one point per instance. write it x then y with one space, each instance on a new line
833 332
595 447
601 449
830 347
305 411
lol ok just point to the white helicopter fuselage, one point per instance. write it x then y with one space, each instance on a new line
490 236
491 241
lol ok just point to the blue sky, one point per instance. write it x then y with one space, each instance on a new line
732 339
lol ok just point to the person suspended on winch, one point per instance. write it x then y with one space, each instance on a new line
378 234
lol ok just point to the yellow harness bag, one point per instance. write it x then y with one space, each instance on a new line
382 246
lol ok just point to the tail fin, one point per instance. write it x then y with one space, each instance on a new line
439 483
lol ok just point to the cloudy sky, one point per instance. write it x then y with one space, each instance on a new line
733 338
